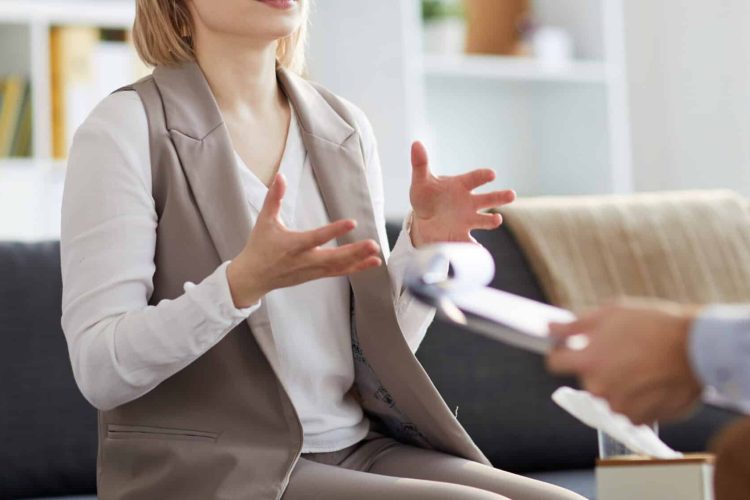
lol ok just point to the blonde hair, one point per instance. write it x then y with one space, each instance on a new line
163 35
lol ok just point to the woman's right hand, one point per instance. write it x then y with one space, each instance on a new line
276 257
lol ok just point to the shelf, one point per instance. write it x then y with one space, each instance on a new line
30 198
110 13
24 167
506 68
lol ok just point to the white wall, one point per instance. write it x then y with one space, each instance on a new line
689 77
361 50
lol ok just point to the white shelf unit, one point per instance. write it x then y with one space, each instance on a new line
545 130
103 13
31 189
25 25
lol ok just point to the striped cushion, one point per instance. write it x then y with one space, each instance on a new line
689 247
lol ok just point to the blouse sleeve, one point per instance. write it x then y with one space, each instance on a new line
120 347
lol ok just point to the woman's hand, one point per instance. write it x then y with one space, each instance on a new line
275 257
445 209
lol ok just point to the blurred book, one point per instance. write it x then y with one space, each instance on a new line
87 64
15 117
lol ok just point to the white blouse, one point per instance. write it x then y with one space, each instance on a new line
121 348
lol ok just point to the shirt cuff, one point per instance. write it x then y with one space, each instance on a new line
413 317
718 341
215 290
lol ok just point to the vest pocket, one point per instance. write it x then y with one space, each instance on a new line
144 432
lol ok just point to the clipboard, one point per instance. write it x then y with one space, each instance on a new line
453 278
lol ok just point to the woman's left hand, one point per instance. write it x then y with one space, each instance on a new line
444 208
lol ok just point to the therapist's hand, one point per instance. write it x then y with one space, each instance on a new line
444 208
637 358
276 257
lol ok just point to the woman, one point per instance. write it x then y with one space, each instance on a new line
284 371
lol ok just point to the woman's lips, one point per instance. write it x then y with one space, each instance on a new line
279 4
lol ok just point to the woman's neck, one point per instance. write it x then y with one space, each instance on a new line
241 76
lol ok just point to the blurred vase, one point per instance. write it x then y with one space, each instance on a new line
494 26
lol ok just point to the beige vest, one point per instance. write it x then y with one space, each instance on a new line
224 426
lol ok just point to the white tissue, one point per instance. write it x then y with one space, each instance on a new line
595 412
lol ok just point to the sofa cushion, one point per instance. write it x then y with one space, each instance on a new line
47 429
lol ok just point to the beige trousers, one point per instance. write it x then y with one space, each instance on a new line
382 468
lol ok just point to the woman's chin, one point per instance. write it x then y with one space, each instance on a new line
255 19
280 18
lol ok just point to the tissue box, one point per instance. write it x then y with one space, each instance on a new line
644 478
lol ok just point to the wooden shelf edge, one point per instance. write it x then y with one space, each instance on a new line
506 68
21 165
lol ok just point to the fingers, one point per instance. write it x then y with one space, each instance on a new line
584 324
640 407
272 204
566 362
420 163
475 178
487 221
494 199
348 258
364 264
322 235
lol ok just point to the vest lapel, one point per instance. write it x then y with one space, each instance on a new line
338 164
205 150
337 160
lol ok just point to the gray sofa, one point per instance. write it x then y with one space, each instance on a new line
48 431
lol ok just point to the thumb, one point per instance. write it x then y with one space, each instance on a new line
419 161
272 203
584 324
